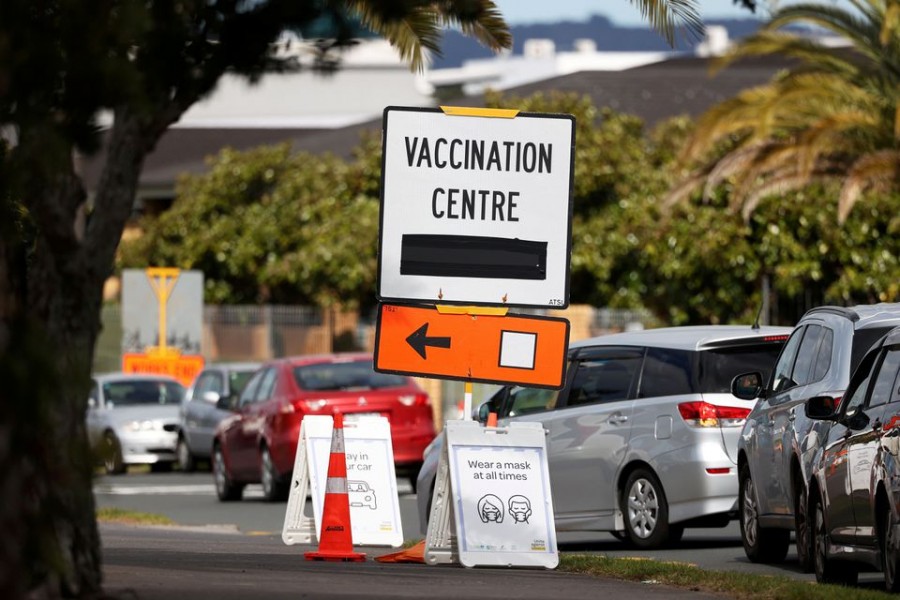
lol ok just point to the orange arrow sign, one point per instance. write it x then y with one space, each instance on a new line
518 349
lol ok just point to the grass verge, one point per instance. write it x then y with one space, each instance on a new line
131 517
687 576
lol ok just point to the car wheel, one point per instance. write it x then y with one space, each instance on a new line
272 485
761 544
890 550
645 509
112 455
185 459
802 536
226 489
828 570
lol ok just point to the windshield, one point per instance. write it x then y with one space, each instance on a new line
238 379
358 375
136 392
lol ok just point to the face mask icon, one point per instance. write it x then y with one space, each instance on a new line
490 508
519 508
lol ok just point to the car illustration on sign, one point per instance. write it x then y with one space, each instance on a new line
361 494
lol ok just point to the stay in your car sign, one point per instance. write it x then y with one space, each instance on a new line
476 207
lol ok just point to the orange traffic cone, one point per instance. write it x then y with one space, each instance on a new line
336 539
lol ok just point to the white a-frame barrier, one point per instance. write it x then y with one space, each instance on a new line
492 504
371 481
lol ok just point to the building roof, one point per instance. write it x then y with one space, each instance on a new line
652 92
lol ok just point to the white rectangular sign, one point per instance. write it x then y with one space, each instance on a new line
501 495
476 207
371 480
182 315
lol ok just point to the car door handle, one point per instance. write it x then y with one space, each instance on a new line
618 419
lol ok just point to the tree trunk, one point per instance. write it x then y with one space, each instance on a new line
50 298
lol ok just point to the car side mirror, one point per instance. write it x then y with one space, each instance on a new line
855 419
92 403
211 397
228 403
481 413
822 408
748 386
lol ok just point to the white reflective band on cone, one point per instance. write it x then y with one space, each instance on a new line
336 485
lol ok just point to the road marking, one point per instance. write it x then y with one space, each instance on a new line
193 489
166 490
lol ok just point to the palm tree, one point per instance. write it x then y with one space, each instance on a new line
832 115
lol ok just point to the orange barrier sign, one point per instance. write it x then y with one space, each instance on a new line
518 349
183 367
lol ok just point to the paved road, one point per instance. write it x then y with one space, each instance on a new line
189 499
168 564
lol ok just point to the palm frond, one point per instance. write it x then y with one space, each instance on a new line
733 164
481 20
877 170
415 26
668 15
683 191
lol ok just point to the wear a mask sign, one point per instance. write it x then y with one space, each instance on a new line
501 495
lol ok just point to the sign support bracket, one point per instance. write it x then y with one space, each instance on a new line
493 311
440 540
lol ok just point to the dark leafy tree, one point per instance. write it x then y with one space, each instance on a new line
64 65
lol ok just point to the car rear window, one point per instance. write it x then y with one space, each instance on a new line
142 392
359 375
238 379
862 341
720 365
667 372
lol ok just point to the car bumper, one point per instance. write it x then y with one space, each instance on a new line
699 480
148 447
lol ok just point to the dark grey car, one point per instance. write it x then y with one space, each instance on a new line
199 414
854 497
778 442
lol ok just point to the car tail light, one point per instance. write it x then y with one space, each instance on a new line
315 405
415 400
298 405
704 414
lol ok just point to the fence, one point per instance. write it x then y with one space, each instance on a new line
260 333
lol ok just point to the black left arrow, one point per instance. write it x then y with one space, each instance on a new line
419 340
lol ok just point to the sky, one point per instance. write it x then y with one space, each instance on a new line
620 12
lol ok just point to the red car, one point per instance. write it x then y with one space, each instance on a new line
258 442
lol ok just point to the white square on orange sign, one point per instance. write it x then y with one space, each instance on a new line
517 349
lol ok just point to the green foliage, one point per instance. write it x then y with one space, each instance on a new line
270 226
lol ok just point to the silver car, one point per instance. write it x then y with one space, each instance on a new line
779 443
133 419
642 440
202 408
